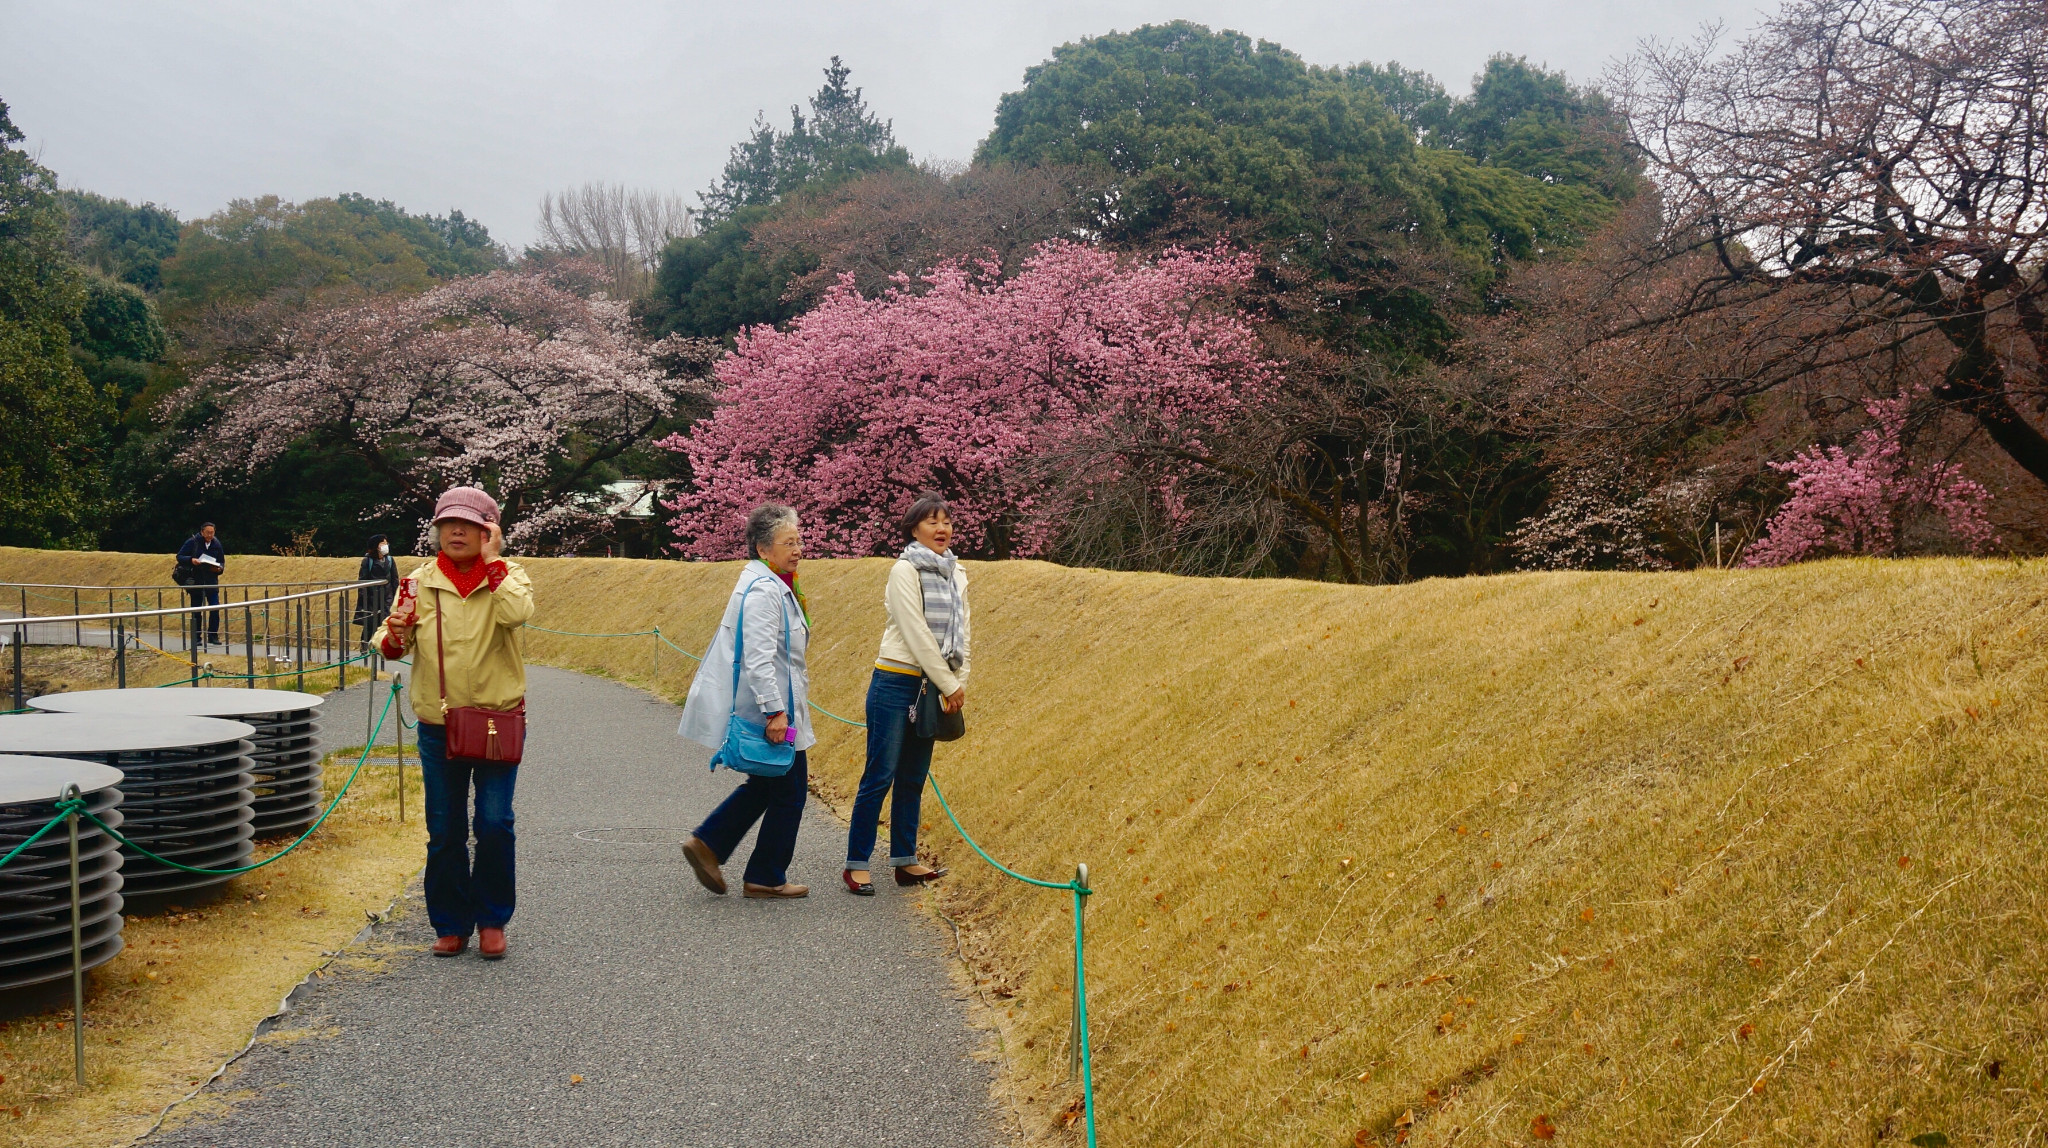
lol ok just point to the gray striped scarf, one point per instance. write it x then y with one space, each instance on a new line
941 597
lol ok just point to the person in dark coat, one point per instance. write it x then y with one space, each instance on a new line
201 562
373 602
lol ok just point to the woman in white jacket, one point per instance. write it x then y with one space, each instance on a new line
773 694
925 641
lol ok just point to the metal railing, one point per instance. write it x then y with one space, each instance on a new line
308 631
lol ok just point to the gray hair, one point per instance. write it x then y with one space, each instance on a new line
764 523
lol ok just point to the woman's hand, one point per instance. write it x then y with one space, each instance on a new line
401 629
494 543
954 702
778 727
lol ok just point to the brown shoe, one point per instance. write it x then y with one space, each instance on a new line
449 946
783 891
490 944
705 862
907 878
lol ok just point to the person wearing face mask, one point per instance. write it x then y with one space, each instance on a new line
465 625
373 602
924 646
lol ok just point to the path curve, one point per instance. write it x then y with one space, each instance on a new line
692 1019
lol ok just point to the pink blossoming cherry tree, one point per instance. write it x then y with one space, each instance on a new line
1858 500
969 384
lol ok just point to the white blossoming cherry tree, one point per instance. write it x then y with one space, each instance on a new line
516 381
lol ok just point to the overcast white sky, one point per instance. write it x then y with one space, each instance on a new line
485 106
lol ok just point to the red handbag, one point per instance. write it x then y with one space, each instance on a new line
473 732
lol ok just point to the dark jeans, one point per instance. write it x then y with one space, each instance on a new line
778 804
897 759
204 594
462 897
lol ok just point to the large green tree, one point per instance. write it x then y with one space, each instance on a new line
1189 117
119 239
51 418
715 282
257 249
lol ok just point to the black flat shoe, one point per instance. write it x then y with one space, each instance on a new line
857 888
906 878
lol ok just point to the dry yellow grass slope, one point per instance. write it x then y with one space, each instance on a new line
1661 859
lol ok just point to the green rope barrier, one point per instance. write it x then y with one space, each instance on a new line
673 646
64 809
941 795
389 699
581 634
1079 891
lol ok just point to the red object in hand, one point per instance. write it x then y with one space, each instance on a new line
407 605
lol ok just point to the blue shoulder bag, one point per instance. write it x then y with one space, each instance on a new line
747 748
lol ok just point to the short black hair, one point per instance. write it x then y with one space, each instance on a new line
927 504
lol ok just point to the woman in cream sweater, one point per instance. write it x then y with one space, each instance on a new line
926 640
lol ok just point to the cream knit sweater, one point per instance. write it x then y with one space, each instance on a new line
907 643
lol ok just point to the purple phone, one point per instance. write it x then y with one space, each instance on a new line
789 735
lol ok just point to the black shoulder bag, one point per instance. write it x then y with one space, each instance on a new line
929 719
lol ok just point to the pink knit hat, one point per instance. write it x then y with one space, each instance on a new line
468 503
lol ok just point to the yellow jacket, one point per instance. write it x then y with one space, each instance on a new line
486 655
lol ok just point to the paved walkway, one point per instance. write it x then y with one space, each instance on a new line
692 1019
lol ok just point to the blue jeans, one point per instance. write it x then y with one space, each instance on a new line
897 759
778 804
462 897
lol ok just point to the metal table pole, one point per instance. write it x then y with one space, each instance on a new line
398 711
121 653
77 949
249 640
20 636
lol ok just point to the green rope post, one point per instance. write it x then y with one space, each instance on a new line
1080 1058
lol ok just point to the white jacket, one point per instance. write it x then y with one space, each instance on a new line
766 670
907 643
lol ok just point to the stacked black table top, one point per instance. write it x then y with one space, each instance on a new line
35 887
187 790
287 743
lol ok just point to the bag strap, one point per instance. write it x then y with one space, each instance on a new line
739 642
440 655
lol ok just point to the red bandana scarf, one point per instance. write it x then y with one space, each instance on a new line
466 582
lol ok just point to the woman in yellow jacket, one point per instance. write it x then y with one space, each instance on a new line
476 601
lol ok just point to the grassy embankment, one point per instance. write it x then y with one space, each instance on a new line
1611 858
